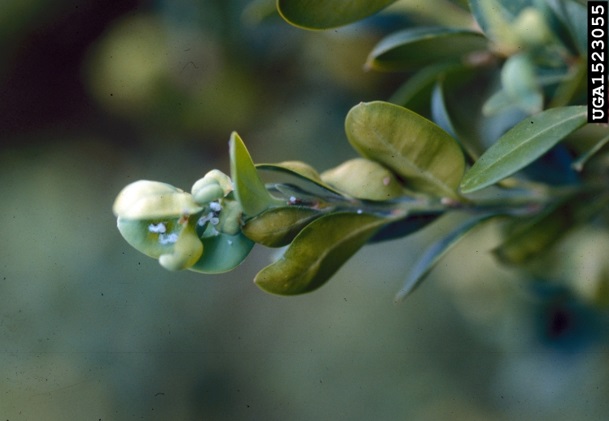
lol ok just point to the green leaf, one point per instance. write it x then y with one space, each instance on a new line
418 47
250 191
411 146
259 11
325 14
277 227
456 99
520 84
578 164
439 111
499 102
317 252
573 16
523 144
492 13
528 237
300 170
148 236
435 252
404 226
415 92
222 253
171 240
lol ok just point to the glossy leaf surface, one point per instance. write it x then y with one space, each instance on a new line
277 227
298 169
324 14
523 144
416 149
317 252
249 188
223 253
418 47
403 227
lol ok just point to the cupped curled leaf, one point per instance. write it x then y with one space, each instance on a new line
523 144
317 252
425 156
325 14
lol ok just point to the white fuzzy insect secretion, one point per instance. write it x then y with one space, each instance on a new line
159 228
215 206
165 239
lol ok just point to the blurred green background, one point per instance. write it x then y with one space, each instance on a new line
94 95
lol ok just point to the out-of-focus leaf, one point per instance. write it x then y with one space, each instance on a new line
574 17
435 252
222 253
324 14
520 84
492 13
578 165
418 47
523 144
571 87
258 11
460 95
418 87
497 103
439 112
277 227
411 146
317 252
249 188
528 237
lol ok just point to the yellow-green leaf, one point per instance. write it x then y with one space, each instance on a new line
249 188
277 227
424 155
317 252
